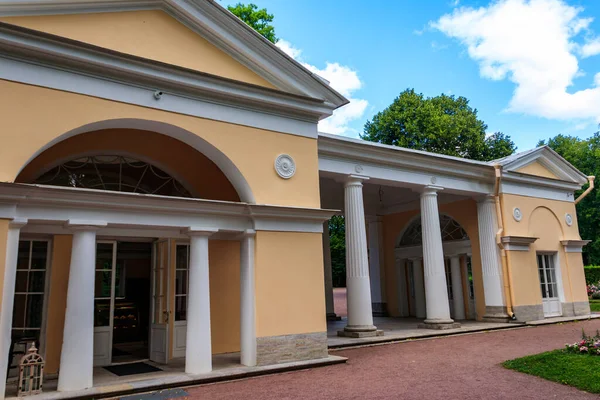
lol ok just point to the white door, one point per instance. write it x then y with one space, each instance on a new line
159 326
182 257
104 301
549 285
468 283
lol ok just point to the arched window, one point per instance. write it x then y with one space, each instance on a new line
451 230
114 173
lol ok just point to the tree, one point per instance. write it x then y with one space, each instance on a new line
442 124
337 245
584 154
259 20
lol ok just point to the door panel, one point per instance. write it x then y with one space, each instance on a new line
549 286
104 298
159 327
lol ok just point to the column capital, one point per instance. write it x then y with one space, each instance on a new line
85 225
488 198
355 180
17 223
429 190
199 231
248 233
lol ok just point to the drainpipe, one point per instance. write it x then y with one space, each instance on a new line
587 191
504 259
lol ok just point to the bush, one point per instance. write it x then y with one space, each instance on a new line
592 274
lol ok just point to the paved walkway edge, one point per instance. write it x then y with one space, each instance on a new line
183 380
434 334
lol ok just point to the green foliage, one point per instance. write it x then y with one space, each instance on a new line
584 154
259 20
592 273
595 305
337 243
580 371
442 124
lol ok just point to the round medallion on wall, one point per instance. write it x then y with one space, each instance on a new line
517 215
285 166
433 180
569 219
359 169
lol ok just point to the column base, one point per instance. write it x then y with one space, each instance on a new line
360 331
496 314
439 324
333 317
379 309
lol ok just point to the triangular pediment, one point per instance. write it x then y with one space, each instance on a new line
542 162
195 34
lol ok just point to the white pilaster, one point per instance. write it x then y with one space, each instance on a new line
8 296
329 306
360 318
490 258
198 351
457 290
420 311
375 243
436 291
247 301
77 353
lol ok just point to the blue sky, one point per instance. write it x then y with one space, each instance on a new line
528 66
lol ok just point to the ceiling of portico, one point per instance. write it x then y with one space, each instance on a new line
379 199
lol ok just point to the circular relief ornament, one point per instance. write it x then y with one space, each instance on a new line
517 215
433 180
569 219
358 169
285 166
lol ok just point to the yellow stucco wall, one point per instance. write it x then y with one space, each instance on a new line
34 116
535 168
465 213
290 294
149 34
545 220
57 299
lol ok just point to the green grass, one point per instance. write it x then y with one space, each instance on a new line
595 305
579 370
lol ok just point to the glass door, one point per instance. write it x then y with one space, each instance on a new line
104 301
159 326
549 285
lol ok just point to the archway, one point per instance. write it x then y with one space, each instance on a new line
457 261
75 143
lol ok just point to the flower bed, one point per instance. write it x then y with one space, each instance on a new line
593 290
587 345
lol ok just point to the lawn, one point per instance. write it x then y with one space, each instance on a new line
579 370
595 305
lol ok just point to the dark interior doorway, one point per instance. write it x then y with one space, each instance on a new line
131 318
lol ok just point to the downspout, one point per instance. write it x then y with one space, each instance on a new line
587 191
503 258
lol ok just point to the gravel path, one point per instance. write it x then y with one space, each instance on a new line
457 367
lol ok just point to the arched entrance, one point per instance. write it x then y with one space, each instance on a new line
459 274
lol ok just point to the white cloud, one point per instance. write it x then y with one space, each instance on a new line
590 48
533 44
341 78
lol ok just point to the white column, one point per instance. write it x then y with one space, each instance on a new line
490 259
420 311
247 301
436 291
77 353
402 287
360 318
8 296
375 243
329 307
457 290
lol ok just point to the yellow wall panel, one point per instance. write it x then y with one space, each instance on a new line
537 169
149 34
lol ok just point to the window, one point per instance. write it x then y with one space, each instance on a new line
448 277
103 284
450 229
411 278
181 281
470 278
547 273
30 287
